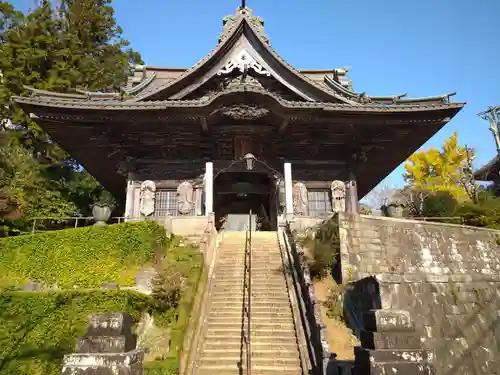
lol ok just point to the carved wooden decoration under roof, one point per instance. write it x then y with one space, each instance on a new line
243 112
222 83
243 61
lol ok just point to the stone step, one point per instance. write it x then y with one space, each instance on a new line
257 247
256 273
242 262
257 333
256 305
255 278
255 325
240 270
256 285
238 294
256 345
230 319
256 312
256 370
255 244
262 279
255 260
256 291
290 351
257 297
256 319
272 311
270 361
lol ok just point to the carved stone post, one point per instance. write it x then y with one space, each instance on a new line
198 196
129 201
108 347
352 201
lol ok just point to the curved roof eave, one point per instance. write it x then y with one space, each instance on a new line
118 105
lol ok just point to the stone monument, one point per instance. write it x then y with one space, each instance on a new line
108 348
300 199
338 190
147 204
185 197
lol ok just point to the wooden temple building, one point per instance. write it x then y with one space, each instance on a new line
239 130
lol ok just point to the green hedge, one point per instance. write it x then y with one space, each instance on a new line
37 329
86 257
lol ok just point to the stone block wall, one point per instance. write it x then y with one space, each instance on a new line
433 288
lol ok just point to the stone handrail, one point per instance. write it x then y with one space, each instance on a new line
306 351
314 327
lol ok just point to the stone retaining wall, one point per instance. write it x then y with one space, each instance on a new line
424 288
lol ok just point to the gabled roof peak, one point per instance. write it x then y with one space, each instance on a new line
231 21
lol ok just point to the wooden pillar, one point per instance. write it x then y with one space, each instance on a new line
209 188
273 202
288 189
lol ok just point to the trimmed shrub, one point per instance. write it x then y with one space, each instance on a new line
85 257
324 247
439 204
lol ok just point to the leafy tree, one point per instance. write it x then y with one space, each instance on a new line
441 170
23 188
76 44
95 40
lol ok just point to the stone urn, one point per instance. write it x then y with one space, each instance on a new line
101 213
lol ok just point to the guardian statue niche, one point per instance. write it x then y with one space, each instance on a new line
300 199
185 198
147 197
338 190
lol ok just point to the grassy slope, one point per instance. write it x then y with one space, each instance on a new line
37 329
189 262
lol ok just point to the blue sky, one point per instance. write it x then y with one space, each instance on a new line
422 47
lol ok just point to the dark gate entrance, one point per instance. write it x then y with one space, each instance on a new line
236 193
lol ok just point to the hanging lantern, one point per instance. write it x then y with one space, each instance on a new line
249 161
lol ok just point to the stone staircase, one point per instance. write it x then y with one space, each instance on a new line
274 342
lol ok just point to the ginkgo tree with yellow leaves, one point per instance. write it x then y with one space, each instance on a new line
442 170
